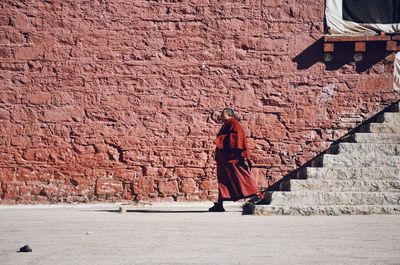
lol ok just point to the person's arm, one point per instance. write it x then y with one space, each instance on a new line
221 141
224 140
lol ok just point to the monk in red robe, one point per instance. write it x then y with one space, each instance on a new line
233 163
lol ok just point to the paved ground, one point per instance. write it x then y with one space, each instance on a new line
187 234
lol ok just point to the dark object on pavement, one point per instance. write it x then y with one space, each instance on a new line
25 248
249 206
216 208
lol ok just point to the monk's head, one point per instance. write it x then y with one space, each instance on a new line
226 114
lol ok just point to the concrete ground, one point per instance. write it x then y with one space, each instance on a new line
185 233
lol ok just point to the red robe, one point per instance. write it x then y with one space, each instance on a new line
234 179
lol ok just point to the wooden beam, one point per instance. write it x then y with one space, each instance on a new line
391 45
360 46
329 47
338 38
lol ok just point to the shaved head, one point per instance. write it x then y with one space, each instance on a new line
226 114
229 112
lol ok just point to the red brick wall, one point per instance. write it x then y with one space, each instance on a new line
113 100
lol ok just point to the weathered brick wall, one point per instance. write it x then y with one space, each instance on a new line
112 100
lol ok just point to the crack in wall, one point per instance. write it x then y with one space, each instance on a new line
120 152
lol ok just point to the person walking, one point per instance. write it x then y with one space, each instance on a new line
233 163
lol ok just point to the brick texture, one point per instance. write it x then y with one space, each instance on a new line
117 100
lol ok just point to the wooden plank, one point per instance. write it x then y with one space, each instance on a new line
339 38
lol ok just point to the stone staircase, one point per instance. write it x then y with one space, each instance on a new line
359 175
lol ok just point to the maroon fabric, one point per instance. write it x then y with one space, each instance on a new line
234 179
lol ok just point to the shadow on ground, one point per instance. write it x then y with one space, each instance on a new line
344 138
161 211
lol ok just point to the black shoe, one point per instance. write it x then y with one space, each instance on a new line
257 200
216 208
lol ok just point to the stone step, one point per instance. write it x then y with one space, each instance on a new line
287 198
389 117
340 160
389 138
325 209
366 148
341 185
383 128
343 173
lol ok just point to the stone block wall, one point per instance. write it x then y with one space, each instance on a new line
114 100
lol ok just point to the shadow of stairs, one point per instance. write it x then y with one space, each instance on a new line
358 175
